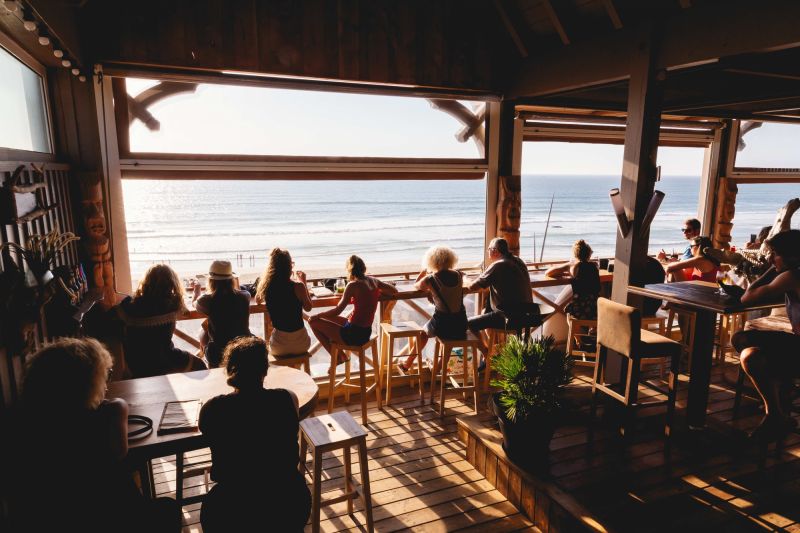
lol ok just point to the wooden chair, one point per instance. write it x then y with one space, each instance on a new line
326 433
576 327
728 325
361 353
619 329
441 357
389 333
295 361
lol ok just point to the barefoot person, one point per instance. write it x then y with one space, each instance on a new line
446 288
363 292
772 358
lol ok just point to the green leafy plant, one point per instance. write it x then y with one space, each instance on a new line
531 373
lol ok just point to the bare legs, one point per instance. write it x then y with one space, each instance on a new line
423 340
328 330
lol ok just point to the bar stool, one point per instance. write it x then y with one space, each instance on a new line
689 319
441 356
326 433
361 353
389 333
495 336
619 329
294 361
575 328
728 325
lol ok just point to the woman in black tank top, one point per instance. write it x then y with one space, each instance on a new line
252 433
772 358
286 298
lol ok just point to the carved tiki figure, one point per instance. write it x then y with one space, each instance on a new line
509 207
97 243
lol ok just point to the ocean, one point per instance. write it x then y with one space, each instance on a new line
187 224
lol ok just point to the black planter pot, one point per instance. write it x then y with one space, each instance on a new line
527 443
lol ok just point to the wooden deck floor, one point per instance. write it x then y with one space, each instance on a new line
711 480
419 477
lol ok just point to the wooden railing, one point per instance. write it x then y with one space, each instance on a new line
407 296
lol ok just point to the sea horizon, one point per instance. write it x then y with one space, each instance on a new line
188 224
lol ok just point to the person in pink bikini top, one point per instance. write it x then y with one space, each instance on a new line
700 267
362 292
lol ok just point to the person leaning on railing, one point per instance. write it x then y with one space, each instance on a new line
363 292
445 286
772 358
227 309
286 298
148 321
585 281
509 286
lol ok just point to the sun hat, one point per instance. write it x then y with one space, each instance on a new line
221 270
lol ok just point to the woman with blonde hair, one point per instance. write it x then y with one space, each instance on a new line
446 288
286 299
227 308
585 282
63 399
363 292
149 318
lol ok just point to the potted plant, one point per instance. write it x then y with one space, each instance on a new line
531 375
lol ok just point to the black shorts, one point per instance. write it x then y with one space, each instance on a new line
447 326
353 335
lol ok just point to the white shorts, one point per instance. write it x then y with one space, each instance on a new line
283 343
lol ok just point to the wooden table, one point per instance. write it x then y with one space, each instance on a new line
147 396
703 298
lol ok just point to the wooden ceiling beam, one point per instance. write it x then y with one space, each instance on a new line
551 13
764 74
613 14
512 30
694 36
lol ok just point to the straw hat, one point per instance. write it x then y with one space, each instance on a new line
221 270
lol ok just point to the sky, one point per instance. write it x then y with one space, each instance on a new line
265 121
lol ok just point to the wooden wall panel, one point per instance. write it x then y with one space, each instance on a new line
57 178
438 44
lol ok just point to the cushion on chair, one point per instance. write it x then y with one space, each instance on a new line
618 326
654 345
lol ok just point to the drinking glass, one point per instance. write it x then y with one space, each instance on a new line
340 284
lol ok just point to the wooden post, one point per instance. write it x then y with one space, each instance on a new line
724 210
639 166
714 165
505 166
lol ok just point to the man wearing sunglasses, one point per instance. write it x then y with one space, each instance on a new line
691 229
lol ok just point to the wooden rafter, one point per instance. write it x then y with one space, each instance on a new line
613 14
512 31
473 122
556 21
138 106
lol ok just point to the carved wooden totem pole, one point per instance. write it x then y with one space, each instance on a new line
96 241
509 208
725 210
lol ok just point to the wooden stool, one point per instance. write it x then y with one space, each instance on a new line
575 327
326 433
661 328
294 361
689 318
495 336
404 330
441 356
727 327
361 353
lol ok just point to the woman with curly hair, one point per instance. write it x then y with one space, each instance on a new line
286 298
149 319
252 433
585 282
446 288
363 292
63 400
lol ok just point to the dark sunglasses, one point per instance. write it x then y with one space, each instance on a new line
686 230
